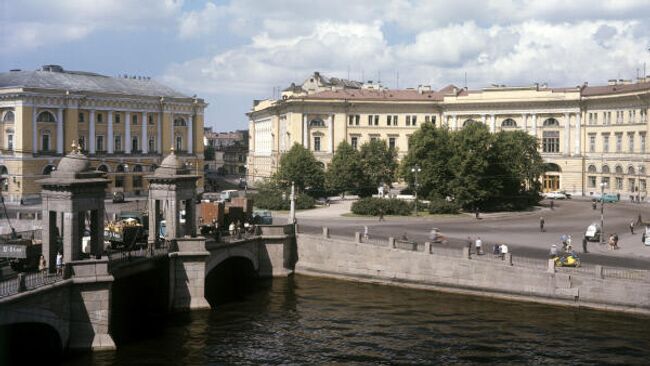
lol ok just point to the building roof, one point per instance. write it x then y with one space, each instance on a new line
55 77
615 89
386 94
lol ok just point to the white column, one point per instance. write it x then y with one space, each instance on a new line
330 122
111 139
455 121
59 131
534 132
578 148
127 132
190 135
305 139
145 139
159 133
567 134
91 132
35 148
493 123
524 118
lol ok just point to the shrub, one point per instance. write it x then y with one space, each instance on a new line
272 200
389 206
442 206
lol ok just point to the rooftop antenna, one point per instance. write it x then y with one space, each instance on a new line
465 79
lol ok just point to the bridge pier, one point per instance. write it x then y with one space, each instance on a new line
187 275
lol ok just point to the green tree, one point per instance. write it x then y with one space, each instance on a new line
208 153
378 164
299 165
470 164
345 171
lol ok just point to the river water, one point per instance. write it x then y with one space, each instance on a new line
308 321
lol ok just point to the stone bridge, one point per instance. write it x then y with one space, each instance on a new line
96 298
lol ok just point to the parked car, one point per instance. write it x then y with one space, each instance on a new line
263 217
555 195
593 232
568 195
608 198
227 195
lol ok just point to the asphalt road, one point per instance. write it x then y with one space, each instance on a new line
520 231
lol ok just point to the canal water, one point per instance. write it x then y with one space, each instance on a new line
310 321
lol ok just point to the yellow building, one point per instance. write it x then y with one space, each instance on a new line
587 134
124 124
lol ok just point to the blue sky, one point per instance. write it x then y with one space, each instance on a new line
231 52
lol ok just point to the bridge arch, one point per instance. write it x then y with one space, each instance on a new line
230 275
48 324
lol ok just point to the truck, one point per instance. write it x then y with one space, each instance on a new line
22 254
130 230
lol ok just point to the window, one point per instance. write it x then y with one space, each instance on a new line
551 141
592 143
391 143
354 141
630 141
551 122
99 143
316 143
642 141
134 144
619 183
119 181
408 120
117 118
509 123
82 143
179 143
643 115
619 170
591 118
606 181
633 116
134 119
389 120
100 118
642 185
118 143
433 120
370 120
373 139
45 117
350 120
376 120
152 144
317 122
81 117
619 117
357 119
630 170
427 119
605 169
631 184
394 120
10 142
45 142
414 120
8 117
619 142
591 169
150 119
591 181
605 143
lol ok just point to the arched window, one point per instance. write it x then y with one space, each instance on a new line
316 122
180 121
8 117
45 116
552 167
641 170
592 169
605 169
3 170
48 169
103 168
509 122
468 122
630 170
551 122
618 169
122 168
137 169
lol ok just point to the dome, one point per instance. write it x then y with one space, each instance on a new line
74 162
171 166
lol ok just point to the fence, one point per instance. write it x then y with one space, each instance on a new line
626 274
26 282
120 258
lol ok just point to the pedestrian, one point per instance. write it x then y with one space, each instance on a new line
476 211
541 223
503 250
469 245
404 237
584 244
42 264
381 214
59 263
643 236
552 204
365 232
632 227
478 244
594 204
231 229
554 251
615 241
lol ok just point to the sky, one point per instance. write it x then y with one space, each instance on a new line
232 52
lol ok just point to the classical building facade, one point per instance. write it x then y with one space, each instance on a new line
587 134
124 124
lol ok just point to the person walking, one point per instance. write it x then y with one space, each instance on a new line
541 223
477 213
643 237
552 204
469 245
59 263
632 227
584 244
42 264
554 251
478 244
594 204
365 232
381 214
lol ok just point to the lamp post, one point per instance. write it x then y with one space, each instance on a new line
602 212
415 170
292 211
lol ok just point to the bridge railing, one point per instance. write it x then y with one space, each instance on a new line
26 282
120 258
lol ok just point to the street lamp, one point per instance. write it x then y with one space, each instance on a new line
415 170
602 212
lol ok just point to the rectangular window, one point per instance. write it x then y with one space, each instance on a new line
45 142
354 141
394 120
134 119
134 144
619 183
350 120
370 120
551 141
427 119
631 184
118 143
433 120
619 142
99 143
592 181
179 143
642 185
414 120
357 119
117 118
152 144
605 143
81 117
150 119
643 115
10 142
591 118
316 143
630 141
391 143
373 139
100 118
592 143
389 120
606 181
408 120
376 120
642 141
